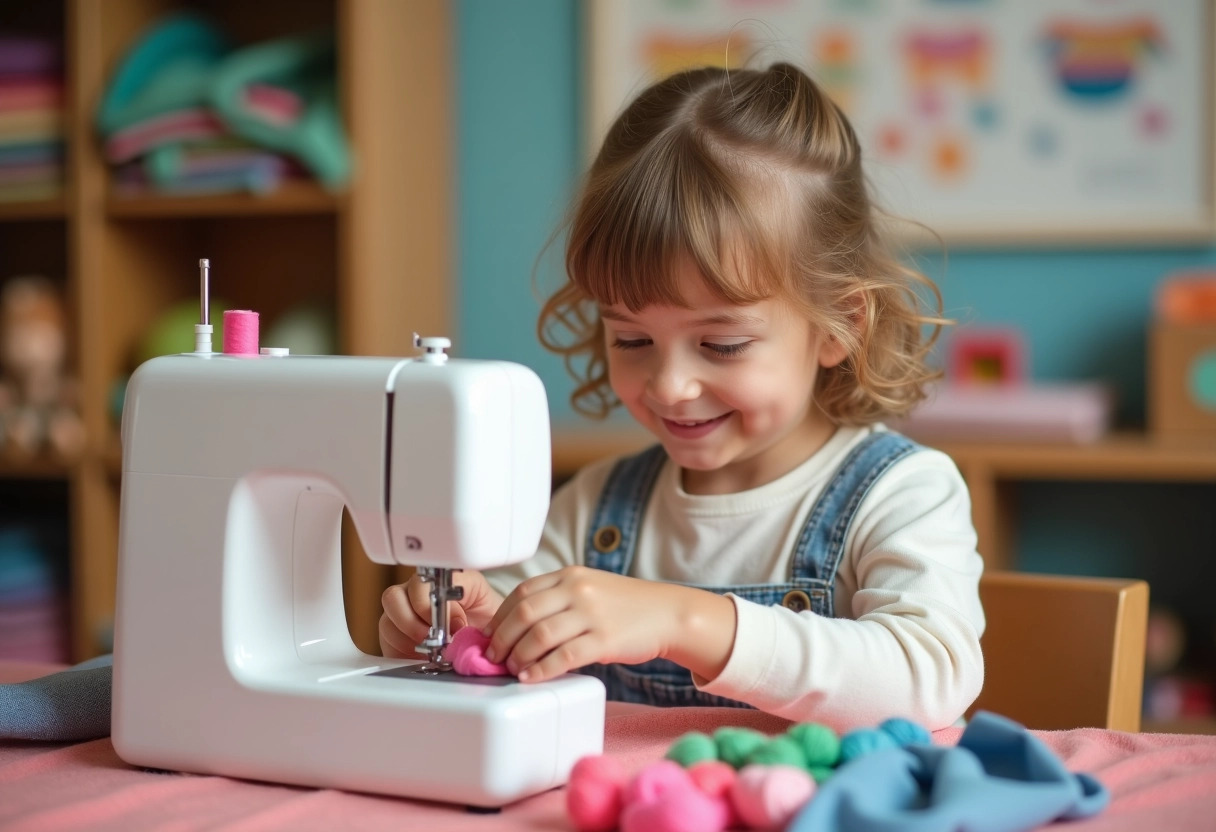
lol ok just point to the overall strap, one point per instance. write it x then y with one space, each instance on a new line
612 536
820 546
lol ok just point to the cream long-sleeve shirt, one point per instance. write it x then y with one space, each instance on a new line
908 640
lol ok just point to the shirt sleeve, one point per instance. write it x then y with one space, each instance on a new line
911 644
561 542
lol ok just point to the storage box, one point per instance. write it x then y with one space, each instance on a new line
1182 379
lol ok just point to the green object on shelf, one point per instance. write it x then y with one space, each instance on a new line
308 329
173 331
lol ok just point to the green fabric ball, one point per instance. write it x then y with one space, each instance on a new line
820 744
779 751
736 744
821 773
692 748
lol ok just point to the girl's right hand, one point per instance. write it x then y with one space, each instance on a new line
407 612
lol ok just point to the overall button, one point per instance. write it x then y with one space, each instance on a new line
796 600
607 539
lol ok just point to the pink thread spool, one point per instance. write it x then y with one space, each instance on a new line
240 332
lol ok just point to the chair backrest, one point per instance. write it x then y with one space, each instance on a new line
1064 652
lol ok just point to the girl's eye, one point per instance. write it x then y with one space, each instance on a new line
727 350
630 344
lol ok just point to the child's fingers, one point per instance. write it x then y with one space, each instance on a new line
518 615
480 601
393 643
458 619
545 637
521 593
403 615
571 655
418 593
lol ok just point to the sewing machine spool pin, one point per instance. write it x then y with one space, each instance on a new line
203 329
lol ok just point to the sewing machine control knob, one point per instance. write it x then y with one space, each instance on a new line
434 348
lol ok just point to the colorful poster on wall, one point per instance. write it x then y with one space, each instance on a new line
987 120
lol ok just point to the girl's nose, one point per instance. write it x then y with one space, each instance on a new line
672 382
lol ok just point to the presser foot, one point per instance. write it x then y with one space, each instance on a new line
433 648
442 591
433 668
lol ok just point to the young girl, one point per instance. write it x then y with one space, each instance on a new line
778 548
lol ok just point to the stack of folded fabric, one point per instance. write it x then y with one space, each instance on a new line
31 119
187 113
32 607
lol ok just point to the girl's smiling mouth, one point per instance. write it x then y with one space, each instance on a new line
688 429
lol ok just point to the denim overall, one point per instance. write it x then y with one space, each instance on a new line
612 540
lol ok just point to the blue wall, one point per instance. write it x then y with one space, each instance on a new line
1084 313
519 156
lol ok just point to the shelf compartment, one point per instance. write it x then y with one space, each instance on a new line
295 198
42 209
14 467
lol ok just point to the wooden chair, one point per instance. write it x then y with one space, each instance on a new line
1064 652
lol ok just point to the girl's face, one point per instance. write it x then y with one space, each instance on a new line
727 389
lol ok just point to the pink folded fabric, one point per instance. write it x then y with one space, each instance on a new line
30 94
191 124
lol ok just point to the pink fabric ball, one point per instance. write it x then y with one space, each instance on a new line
768 797
654 780
594 795
679 809
467 653
716 778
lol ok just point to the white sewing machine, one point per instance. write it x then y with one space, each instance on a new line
232 653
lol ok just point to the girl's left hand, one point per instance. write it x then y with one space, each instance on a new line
562 620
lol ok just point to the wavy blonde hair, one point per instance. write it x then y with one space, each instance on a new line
756 176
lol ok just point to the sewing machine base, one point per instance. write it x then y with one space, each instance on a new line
466 741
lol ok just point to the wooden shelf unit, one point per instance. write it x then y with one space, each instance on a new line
14 467
293 198
379 252
38 210
991 469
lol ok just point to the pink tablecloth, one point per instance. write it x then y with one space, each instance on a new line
1159 782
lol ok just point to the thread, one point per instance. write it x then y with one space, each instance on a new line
240 332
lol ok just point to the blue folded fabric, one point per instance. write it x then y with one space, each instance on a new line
999 778
66 706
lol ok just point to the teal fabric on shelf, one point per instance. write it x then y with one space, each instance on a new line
304 65
999 778
170 68
185 64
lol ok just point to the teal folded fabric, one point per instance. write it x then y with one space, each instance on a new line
185 64
999 778
304 65
170 68
66 706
